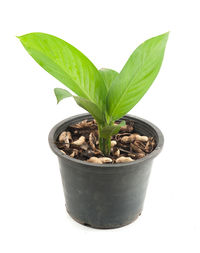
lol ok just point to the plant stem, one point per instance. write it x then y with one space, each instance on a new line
104 145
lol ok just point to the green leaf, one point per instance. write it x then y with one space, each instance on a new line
136 76
108 76
67 64
83 102
61 94
108 131
91 108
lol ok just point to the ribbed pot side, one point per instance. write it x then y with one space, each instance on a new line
107 195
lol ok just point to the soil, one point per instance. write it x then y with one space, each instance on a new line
80 141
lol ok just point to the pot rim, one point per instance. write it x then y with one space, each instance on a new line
152 155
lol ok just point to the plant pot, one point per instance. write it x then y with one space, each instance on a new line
105 195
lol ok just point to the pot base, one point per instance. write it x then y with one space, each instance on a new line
104 227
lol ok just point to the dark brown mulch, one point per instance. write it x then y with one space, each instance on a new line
80 141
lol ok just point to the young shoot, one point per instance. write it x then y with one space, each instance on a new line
106 94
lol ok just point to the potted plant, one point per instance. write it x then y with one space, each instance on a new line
105 156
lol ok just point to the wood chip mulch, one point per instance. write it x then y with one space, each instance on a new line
80 141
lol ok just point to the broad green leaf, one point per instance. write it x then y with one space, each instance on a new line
91 108
67 64
108 76
136 76
108 131
61 94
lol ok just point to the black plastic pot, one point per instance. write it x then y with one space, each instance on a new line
107 195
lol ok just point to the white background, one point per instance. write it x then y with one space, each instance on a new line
33 216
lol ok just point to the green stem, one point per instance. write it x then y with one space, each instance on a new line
104 145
